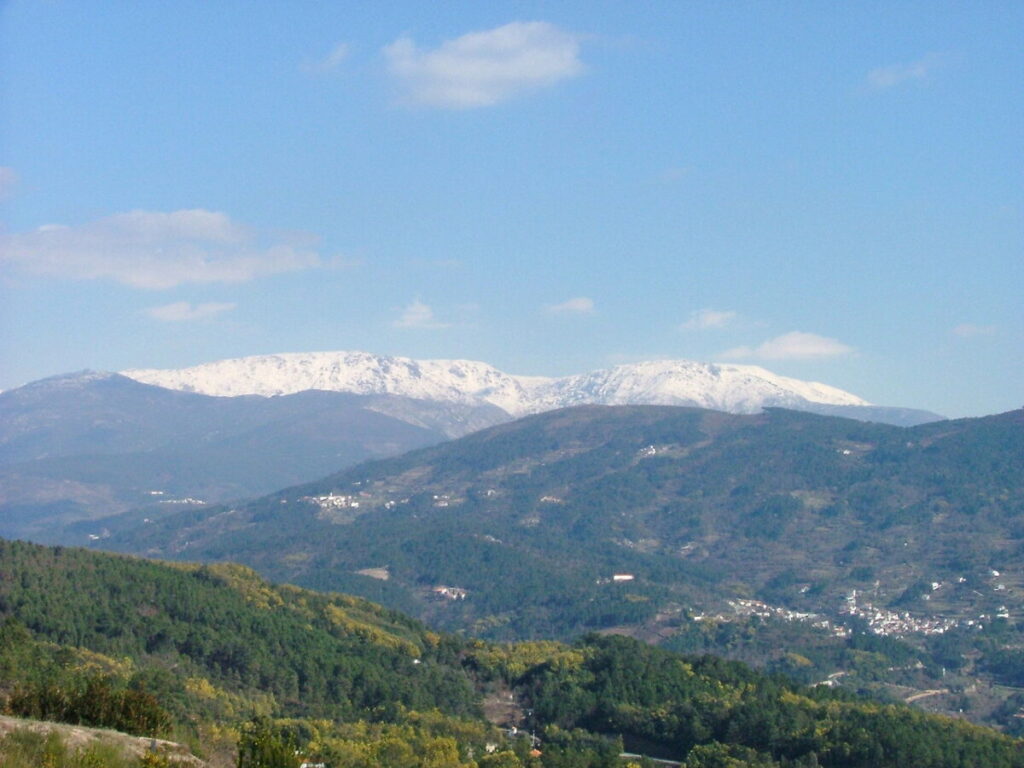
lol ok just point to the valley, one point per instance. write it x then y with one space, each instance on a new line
852 556
216 667
511 385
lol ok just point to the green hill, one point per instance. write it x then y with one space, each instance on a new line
224 631
697 505
216 657
904 534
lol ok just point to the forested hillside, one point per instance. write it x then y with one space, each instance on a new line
222 626
789 533
256 674
697 505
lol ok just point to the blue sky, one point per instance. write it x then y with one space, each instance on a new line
834 191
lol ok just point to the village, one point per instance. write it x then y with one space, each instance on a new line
746 608
880 621
892 623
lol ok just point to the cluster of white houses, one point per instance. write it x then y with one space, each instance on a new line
450 593
880 621
765 611
333 501
892 623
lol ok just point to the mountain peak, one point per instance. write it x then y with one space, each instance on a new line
345 371
720 386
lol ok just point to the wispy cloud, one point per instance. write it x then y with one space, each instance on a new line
329 63
484 68
155 250
897 74
970 330
579 305
795 345
419 316
706 319
8 182
183 311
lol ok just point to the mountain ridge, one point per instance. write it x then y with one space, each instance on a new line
677 525
717 386
684 492
85 444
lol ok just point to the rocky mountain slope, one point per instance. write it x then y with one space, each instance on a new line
80 446
76 738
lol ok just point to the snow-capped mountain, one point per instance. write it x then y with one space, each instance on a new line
721 387
733 388
355 372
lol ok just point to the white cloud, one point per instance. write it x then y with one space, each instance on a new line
329 63
182 311
579 305
795 345
483 68
897 74
705 319
970 330
8 182
419 315
154 250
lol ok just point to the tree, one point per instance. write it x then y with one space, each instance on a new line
260 746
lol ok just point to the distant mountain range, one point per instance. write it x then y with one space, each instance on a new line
92 444
84 445
722 387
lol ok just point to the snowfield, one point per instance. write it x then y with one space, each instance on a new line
724 387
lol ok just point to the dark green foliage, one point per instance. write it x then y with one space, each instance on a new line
587 702
699 505
262 746
717 755
667 706
94 700
315 654
1007 665
580 749
769 519
801 652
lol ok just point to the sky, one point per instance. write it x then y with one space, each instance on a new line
833 191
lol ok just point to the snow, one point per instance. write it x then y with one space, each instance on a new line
726 387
